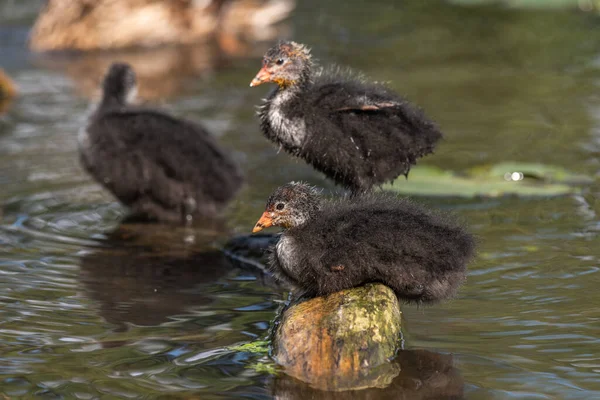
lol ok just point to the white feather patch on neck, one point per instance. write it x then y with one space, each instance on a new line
285 253
131 95
290 130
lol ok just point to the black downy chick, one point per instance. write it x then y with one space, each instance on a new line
357 133
328 246
161 167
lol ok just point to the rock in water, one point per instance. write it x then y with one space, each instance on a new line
342 341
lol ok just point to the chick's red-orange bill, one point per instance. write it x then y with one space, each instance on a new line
265 221
260 78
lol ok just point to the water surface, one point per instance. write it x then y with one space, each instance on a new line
91 309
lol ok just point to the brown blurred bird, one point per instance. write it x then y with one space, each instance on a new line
108 24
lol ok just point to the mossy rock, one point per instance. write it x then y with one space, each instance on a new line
343 341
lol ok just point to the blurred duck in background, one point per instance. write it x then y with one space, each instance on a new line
115 24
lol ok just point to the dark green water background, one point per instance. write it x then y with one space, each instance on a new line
84 317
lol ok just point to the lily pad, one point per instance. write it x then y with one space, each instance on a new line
503 179
543 172
541 4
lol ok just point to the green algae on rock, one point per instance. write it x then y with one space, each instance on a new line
343 341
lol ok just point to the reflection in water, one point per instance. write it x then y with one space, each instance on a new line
251 252
149 273
162 72
251 248
422 375
145 289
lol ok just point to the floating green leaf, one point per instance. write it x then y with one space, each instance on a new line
508 178
585 4
547 173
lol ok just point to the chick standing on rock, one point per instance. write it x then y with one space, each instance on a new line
357 133
163 168
377 237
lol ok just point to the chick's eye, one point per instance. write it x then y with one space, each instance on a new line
280 61
279 206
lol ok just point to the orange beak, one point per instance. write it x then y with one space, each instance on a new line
262 77
265 221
